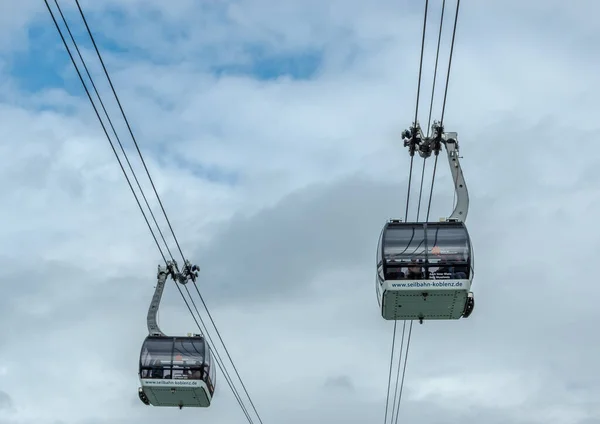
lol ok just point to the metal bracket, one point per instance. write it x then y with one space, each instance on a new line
417 141
190 272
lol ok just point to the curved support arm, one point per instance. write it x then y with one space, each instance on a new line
190 272
462 194
153 328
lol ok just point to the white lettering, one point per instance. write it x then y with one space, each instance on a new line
158 382
429 284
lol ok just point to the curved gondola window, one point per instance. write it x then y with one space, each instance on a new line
379 259
378 256
404 243
156 358
188 358
472 258
404 252
212 373
449 255
441 252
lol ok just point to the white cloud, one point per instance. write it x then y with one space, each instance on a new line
287 249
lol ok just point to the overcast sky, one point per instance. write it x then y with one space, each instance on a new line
272 130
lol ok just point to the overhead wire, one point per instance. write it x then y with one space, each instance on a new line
228 355
421 189
446 88
404 369
387 400
421 60
104 129
163 209
437 57
120 163
450 61
397 409
398 372
221 363
129 127
111 125
159 200
218 358
406 214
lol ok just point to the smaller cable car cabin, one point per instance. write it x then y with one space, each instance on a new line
176 371
424 271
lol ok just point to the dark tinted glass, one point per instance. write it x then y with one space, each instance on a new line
189 350
157 351
444 253
404 244
212 375
447 244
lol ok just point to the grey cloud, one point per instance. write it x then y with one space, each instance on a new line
589 421
281 249
357 411
53 291
6 402
341 382
330 226
534 195
349 214
515 326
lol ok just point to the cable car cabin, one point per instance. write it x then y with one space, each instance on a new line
176 371
424 271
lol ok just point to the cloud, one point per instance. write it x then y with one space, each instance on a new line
5 401
272 132
318 229
342 382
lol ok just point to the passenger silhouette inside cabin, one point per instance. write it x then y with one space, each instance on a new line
396 275
196 371
441 267
415 270
157 369
449 269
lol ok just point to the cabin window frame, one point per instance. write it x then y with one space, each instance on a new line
148 370
427 228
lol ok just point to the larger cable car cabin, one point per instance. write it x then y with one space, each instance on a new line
424 271
176 371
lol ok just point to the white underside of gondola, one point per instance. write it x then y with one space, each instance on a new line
187 393
405 300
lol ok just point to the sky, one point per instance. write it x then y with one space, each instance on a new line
272 130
